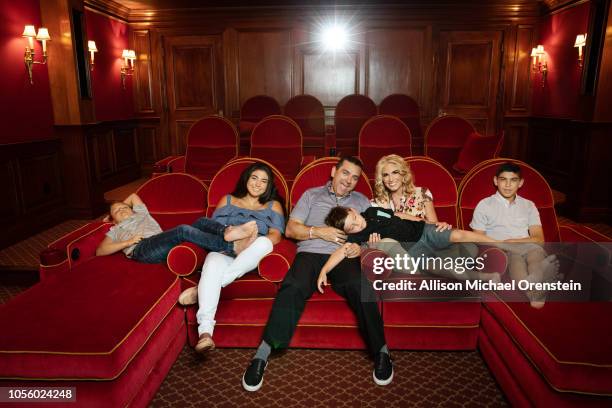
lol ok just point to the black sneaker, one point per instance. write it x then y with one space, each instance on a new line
253 376
383 369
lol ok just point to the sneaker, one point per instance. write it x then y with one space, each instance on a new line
205 343
189 296
253 376
383 369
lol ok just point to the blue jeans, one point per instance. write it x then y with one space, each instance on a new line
204 232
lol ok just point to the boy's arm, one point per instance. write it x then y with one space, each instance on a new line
133 200
333 260
108 246
536 235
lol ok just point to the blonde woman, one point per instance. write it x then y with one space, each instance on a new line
394 189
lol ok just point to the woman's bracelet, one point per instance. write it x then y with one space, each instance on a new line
310 232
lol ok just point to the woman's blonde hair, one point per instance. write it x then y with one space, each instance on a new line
381 194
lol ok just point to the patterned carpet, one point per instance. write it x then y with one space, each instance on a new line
24 254
324 378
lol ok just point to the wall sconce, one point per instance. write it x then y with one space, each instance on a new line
127 68
91 46
29 32
580 42
539 62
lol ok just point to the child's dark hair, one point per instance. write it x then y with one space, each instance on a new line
509 167
271 192
337 217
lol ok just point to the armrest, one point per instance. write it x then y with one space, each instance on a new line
274 266
177 165
185 258
79 245
161 166
580 233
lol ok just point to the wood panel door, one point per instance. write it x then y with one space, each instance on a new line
468 76
194 83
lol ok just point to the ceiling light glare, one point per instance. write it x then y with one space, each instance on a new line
334 38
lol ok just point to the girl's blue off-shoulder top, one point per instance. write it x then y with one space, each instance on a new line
267 218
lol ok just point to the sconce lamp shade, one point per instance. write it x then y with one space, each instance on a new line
580 40
43 34
131 54
540 50
91 46
125 54
29 31
534 52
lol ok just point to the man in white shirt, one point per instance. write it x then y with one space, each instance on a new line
509 217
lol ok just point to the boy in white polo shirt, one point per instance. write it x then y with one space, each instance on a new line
511 218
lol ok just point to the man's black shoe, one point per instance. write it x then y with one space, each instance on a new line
253 376
383 369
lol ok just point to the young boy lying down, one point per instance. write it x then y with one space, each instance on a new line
384 224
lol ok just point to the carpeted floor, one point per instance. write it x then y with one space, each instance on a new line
326 378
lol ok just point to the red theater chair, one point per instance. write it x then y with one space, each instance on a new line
211 142
417 319
382 135
307 111
560 355
278 139
407 110
107 325
252 111
445 137
351 113
477 149
245 304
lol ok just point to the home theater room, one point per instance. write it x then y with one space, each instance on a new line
198 193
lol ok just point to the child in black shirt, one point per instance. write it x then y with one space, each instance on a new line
382 221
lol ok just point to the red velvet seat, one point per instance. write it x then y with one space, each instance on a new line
523 347
382 135
445 137
351 113
307 111
278 140
252 111
407 110
252 285
430 174
211 142
477 149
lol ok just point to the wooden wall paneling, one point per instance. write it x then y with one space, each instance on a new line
230 65
194 80
516 133
397 60
518 70
149 143
125 148
30 177
265 64
143 73
101 152
469 73
9 206
40 180
330 77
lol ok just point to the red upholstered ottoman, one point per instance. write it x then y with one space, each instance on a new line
104 327
559 355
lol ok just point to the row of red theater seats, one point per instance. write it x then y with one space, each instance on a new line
351 113
212 141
